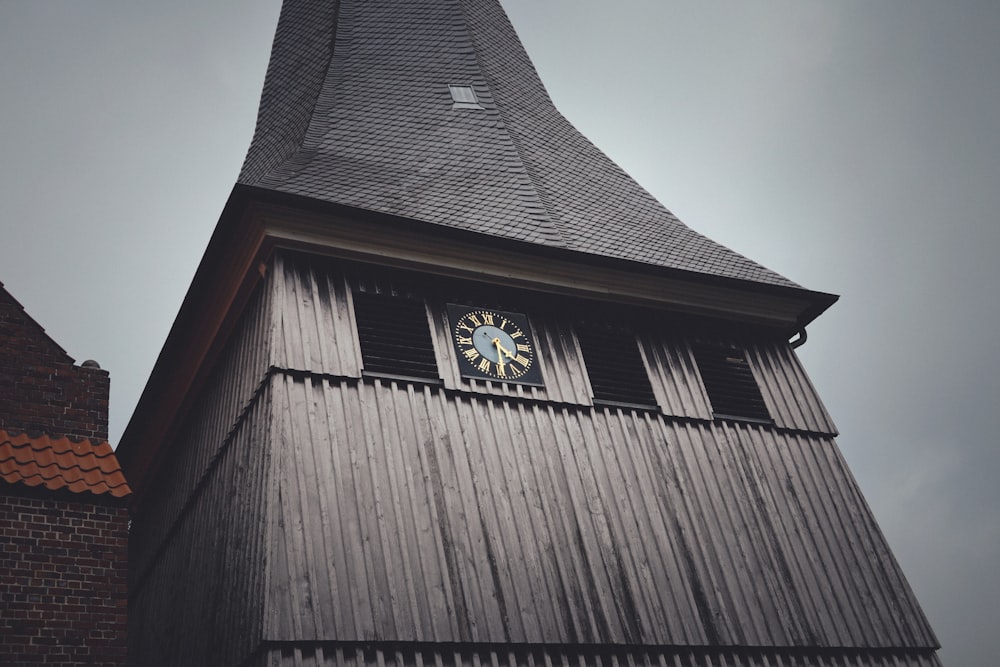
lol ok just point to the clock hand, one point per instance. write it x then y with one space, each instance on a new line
501 349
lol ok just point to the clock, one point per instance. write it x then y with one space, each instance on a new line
494 345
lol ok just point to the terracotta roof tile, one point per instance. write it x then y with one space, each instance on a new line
54 464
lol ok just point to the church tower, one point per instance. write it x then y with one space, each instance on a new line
450 388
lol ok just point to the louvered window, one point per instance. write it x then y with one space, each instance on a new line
395 337
617 373
729 382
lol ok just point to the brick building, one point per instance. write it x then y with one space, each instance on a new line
63 514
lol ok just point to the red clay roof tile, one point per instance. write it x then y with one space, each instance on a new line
78 466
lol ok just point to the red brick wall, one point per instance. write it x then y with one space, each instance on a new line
62 581
41 390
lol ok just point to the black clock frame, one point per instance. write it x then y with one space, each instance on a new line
469 368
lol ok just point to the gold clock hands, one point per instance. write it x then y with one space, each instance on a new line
501 350
500 364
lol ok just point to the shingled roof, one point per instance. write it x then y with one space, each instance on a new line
357 111
78 466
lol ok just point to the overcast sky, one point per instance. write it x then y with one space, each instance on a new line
852 146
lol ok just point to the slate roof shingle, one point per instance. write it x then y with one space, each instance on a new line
356 111
77 466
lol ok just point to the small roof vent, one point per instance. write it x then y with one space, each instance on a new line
463 97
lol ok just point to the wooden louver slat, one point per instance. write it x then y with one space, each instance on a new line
614 365
729 381
395 336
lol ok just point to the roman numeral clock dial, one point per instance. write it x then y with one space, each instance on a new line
494 345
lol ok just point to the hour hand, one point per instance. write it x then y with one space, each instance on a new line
501 350
496 343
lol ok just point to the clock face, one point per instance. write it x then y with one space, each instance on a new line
494 345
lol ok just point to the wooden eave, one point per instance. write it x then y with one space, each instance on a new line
256 221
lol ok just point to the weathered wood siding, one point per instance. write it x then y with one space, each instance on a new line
558 355
316 332
202 601
227 393
313 322
789 395
481 512
415 513
352 655
305 501
197 552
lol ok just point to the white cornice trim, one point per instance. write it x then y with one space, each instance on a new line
375 242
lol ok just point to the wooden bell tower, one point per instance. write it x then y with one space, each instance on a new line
450 388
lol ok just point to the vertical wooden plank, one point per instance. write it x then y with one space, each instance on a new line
674 377
335 427
566 378
434 498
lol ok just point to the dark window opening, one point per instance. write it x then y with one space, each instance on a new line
395 336
729 381
614 365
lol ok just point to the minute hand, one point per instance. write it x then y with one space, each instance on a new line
502 349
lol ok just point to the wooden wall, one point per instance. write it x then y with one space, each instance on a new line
354 655
303 500
410 512
480 512
316 332
197 548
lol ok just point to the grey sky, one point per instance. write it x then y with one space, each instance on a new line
852 146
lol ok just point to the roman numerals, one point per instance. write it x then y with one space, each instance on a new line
493 345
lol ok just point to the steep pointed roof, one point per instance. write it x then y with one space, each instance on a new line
357 111
361 151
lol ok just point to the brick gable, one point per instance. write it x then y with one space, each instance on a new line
41 389
63 514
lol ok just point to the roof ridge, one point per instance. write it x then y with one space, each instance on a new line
63 442
318 118
537 196
641 211
318 122
270 149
